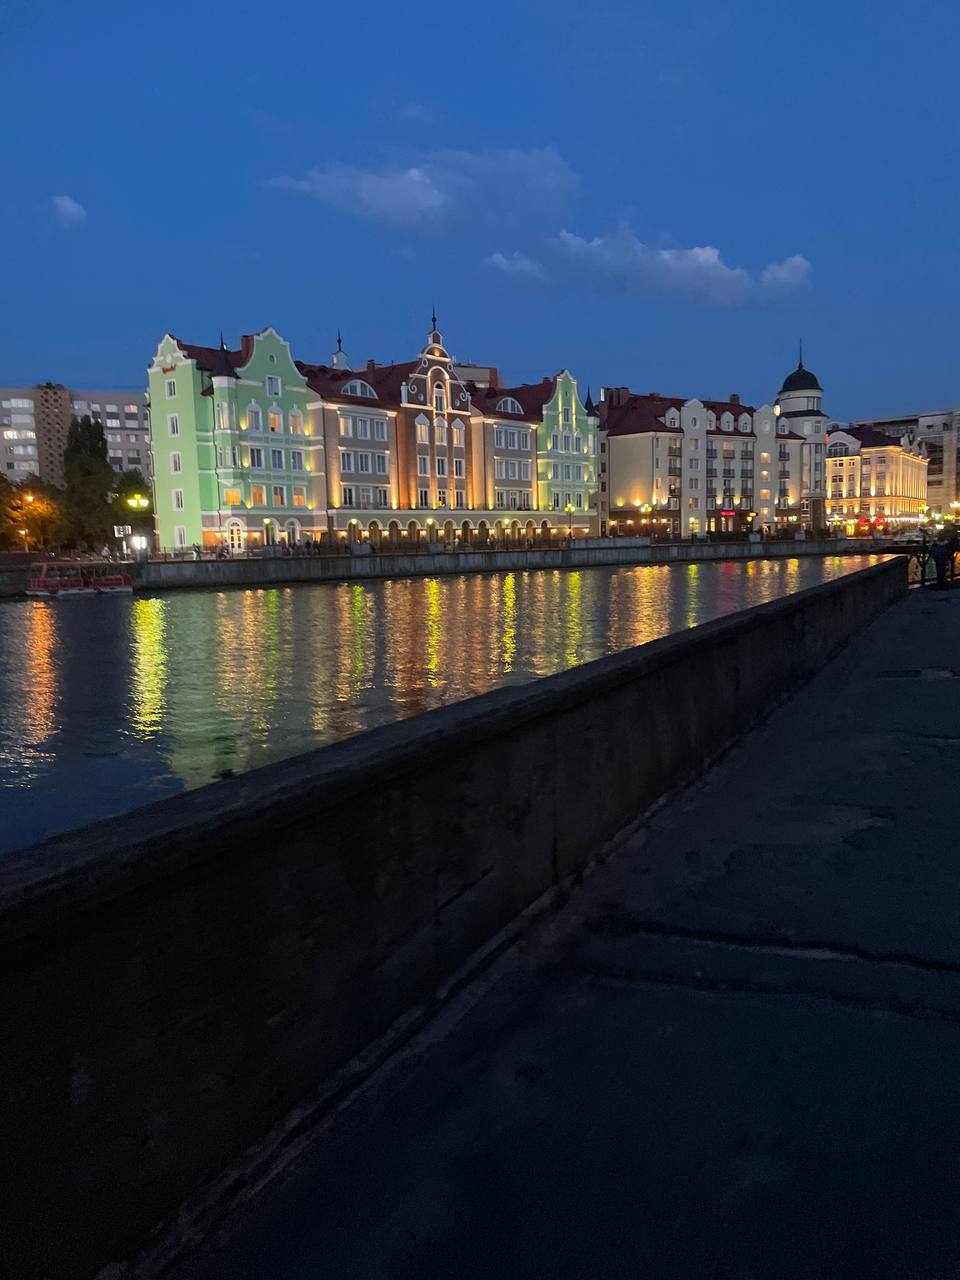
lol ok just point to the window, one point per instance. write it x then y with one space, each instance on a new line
441 466
296 460
173 424
460 498
508 405
254 418
231 497
441 433
422 436
499 469
363 428
382 464
180 536
258 495
498 437
566 444
439 398
555 471
556 502
423 497
500 498
382 497
458 468
273 385
693 464
295 422
256 456
276 459
299 496
177 499
275 421
346 495
555 441
566 415
363 463
694 482
279 495
511 439
114 437
578 444
523 439
357 387
578 474
171 388
423 464
234 456
566 471
458 437
578 503
379 429
346 426
512 469
224 416
175 466
346 460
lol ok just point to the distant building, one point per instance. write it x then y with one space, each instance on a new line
252 447
34 422
937 433
874 477
693 467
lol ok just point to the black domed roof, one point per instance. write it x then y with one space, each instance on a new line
801 380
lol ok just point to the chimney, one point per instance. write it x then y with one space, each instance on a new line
371 365
734 398
654 393
614 395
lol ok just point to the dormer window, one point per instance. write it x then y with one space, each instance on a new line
509 405
439 398
360 388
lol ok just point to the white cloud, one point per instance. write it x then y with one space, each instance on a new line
517 264
67 211
698 274
446 189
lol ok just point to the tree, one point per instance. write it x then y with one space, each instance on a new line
90 482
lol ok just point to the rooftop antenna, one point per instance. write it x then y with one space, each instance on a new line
433 318
801 353
339 341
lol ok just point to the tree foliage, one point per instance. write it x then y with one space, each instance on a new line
30 507
89 516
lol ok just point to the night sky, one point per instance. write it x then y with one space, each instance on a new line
666 195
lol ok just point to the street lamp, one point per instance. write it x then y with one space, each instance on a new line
138 502
569 509
23 535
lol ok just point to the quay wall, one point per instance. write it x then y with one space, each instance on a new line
176 983
159 575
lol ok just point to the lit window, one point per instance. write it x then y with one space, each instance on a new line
231 497
258 495
295 422
299 496
279 495
275 420
422 437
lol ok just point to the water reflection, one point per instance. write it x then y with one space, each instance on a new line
106 704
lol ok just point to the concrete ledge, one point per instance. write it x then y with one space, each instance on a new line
173 982
169 575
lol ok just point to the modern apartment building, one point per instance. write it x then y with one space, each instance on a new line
936 433
872 476
252 447
34 422
685 468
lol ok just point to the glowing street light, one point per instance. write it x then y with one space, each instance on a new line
138 502
569 509
23 535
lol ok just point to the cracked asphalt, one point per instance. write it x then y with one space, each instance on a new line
734 1054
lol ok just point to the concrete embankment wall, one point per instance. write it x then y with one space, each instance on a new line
174 574
174 982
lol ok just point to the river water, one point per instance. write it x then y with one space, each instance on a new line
111 703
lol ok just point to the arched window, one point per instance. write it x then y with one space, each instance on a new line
439 398
509 405
357 387
295 422
254 418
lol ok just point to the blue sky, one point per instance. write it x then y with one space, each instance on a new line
665 195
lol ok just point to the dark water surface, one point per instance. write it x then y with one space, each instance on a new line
110 703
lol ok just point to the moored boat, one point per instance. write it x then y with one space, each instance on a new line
56 578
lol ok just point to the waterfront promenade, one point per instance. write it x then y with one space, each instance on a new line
733 1054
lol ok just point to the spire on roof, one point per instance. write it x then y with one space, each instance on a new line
340 359
433 319
588 404
223 345
339 340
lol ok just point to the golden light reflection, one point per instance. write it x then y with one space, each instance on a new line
574 616
434 631
509 618
149 673
41 673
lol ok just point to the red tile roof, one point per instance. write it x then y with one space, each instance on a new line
638 414
869 437
386 380
531 396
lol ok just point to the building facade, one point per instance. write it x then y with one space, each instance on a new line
685 468
34 422
872 477
252 447
937 434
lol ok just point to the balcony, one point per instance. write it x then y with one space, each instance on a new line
673 471
729 473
